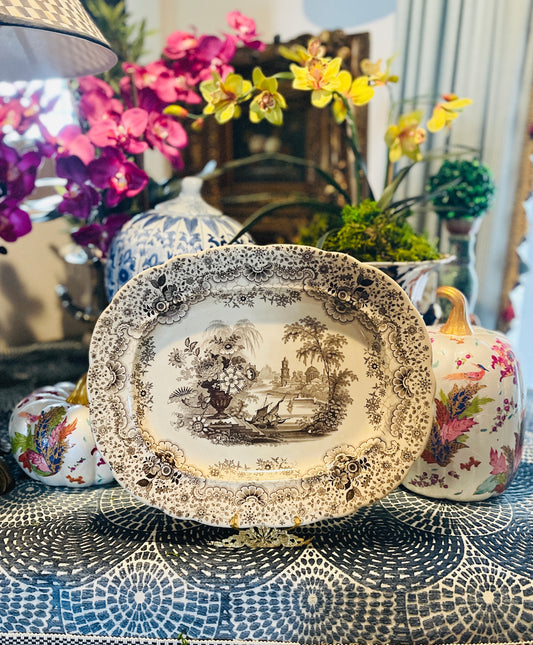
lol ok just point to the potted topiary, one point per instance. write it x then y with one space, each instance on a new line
463 191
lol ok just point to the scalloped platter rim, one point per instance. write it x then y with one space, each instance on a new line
260 385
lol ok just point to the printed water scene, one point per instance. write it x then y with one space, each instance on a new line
225 398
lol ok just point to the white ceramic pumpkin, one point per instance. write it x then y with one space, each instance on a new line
52 440
476 440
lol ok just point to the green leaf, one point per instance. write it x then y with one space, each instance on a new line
487 486
388 193
475 406
21 442
322 239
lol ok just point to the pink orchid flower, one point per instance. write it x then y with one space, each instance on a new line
125 134
246 30
167 135
161 79
213 55
145 76
97 100
71 141
121 178
95 84
179 44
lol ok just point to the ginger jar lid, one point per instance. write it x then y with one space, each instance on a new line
189 203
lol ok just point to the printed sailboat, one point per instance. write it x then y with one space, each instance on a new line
265 418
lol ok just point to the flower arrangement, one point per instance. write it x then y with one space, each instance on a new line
371 227
100 158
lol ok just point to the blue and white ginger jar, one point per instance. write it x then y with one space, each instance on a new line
186 224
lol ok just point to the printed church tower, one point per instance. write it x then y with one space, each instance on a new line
285 372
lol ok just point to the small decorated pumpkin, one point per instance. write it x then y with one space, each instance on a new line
476 439
52 440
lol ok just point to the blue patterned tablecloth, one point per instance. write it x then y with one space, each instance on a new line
97 566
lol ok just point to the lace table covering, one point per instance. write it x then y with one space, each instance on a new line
97 566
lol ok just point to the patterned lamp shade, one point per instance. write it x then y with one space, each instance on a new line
50 38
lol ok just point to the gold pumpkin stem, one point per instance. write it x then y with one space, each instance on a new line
457 323
79 396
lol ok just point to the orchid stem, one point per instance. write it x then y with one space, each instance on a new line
139 158
360 165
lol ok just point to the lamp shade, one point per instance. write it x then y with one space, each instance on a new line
50 38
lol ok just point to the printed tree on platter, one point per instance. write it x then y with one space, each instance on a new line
319 345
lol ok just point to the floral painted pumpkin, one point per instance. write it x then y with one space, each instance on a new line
476 440
52 440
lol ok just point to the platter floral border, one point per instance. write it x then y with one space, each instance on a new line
350 475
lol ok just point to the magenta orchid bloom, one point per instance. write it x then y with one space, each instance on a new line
21 112
32 110
95 84
125 134
100 235
14 222
246 30
179 45
10 114
80 198
98 101
118 176
71 141
166 134
18 172
117 122
161 80
212 55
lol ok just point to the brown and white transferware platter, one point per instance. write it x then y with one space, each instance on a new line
260 385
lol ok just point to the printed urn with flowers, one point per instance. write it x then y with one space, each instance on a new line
476 440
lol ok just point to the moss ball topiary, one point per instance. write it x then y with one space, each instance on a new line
471 194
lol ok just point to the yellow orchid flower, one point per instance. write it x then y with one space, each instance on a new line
376 76
445 112
300 54
269 103
358 91
223 96
406 137
320 76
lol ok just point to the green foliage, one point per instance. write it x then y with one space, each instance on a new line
125 39
471 193
318 226
21 442
372 235
476 405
